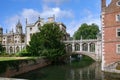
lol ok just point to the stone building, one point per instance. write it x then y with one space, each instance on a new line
14 42
33 28
110 17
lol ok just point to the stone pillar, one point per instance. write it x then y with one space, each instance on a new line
73 47
88 47
80 47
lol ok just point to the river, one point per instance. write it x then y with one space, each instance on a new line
69 72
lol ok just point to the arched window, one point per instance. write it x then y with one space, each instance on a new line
92 47
38 25
11 49
77 47
84 47
69 48
17 49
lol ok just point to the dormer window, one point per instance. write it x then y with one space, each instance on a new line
30 29
118 17
38 24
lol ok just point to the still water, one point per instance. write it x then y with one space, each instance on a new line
69 72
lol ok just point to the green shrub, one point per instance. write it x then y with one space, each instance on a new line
23 53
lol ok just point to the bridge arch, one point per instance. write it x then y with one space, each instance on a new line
91 55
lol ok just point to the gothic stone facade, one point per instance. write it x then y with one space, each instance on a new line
14 42
33 28
110 32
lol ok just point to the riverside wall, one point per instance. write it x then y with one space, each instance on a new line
24 66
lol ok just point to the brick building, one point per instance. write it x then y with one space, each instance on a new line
110 32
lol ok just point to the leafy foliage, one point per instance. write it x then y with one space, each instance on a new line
86 32
47 42
2 49
23 53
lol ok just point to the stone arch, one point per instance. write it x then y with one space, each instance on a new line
77 47
84 47
92 47
11 49
69 47
17 49
4 48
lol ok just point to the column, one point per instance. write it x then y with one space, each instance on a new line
88 47
80 47
73 47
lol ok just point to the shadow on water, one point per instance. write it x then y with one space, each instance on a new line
76 70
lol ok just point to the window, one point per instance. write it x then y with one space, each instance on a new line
118 32
30 29
118 3
3 42
38 25
118 17
118 48
15 41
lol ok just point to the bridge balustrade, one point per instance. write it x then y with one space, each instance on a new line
90 48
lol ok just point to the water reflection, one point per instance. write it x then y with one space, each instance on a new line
68 72
91 72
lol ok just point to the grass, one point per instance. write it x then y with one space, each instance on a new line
16 58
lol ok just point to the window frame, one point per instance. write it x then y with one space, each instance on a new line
117 48
118 19
117 32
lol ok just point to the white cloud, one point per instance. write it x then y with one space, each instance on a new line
32 15
57 11
57 2
89 19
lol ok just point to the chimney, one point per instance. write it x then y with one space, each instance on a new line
103 6
51 19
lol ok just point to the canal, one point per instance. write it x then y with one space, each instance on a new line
73 70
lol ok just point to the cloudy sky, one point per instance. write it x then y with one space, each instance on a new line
71 12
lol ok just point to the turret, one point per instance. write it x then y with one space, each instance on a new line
19 28
103 6
1 34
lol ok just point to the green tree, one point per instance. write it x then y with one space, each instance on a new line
1 49
47 42
86 32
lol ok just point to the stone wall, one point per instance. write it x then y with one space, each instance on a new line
25 66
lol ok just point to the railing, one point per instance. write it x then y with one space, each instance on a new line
112 67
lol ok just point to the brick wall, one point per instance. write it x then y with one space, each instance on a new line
110 39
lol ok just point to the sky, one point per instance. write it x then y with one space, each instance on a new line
72 13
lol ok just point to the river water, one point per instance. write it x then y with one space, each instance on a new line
69 72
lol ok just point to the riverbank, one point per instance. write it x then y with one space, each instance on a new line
10 68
